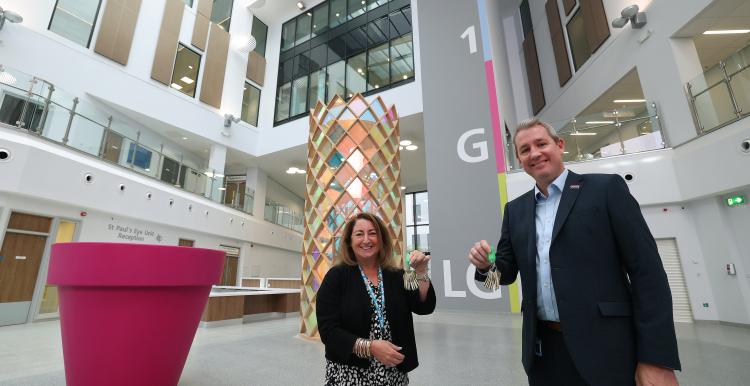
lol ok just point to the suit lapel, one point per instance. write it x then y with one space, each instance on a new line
569 194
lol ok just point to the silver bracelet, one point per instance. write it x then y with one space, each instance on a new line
423 277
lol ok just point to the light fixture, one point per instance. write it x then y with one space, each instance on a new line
187 80
411 147
9 16
578 133
184 138
222 188
727 32
405 142
629 100
405 76
229 118
6 77
176 86
295 170
309 14
400 148
403 188
300 171
300 5
190 67
599 122
630 14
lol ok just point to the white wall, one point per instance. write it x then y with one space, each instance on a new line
278 193
264 261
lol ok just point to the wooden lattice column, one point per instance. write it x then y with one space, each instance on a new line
353 166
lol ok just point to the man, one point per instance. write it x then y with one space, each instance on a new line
597 309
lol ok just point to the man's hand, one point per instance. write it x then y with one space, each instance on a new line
478 255
418 261
386 352
652 375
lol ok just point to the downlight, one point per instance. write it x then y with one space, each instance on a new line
4 155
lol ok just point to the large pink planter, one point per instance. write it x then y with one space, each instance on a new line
129 312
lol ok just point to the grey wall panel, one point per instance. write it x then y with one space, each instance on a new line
117 28
464 199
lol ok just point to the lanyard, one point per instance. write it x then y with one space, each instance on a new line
378 308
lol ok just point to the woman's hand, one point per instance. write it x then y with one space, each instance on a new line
386 352
418 261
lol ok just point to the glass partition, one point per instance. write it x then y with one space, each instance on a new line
721 94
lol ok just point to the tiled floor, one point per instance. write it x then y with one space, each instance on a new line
454 349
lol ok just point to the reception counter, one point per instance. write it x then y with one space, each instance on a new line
235 305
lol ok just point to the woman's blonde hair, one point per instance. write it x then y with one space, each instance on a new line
385 254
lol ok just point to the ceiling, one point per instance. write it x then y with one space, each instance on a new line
719 15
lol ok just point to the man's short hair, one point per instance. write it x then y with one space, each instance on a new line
531 122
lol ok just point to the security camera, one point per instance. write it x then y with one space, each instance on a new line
629 11
9 16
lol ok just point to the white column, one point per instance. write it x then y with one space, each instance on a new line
257 180
216 162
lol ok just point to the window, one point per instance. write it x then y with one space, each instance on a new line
250 104
172 172
260 33
12 108
359 58
75 19
579 44
189 3
185 73
139 156
417 222
221 13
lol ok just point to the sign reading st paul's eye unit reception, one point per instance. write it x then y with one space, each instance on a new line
122 232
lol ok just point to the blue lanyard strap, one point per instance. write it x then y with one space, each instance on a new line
379 306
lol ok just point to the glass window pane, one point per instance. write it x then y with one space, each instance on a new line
299 96
189 3
423 237
409 209
421 208
356 41
287 34
320 20
317 87
377 67
318 57
335 82
372 4
377 31
337 16
301 64
304 21
409 239
402 59
260 33
250 104
185 74
400 22
336 49
286 70
579 44
75 19
283 96
355 74
221 13
356 8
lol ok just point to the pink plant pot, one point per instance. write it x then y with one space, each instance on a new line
129 312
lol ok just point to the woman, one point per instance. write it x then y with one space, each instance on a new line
364 311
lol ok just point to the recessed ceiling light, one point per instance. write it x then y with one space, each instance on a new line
190 67
599 122
185 138
187 80
580 133
377 86
291 170
309 14
566 152
629 100
222 188
403 188
405 142
300 171
404 76
400 148
727 31
412 147
337 14
176 86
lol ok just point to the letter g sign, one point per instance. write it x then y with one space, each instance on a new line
481 146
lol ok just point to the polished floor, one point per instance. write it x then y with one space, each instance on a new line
454 349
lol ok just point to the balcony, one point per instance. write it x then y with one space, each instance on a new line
721 94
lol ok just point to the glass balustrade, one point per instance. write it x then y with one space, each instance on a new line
284 216
721 94
37 106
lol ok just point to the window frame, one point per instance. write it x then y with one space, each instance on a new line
265 41
415 224
197 71
257 112
93 25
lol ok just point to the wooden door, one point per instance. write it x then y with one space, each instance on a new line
19 266
112 147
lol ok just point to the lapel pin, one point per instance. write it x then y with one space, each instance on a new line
575 186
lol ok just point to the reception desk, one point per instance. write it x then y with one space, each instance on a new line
236 305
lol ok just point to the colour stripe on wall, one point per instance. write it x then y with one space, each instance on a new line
489 72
